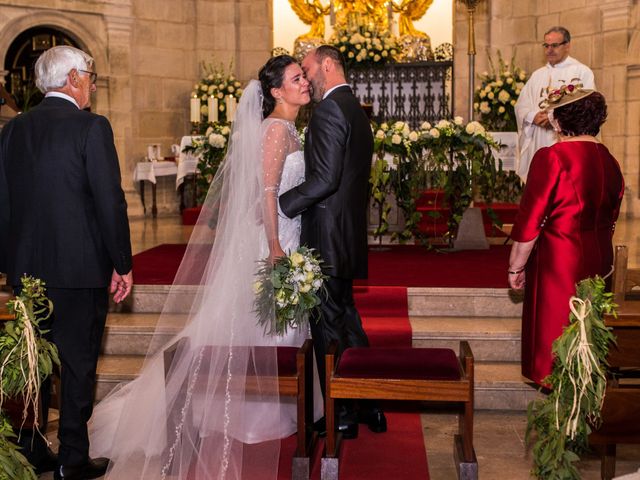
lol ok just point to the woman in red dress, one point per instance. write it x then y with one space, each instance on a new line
564 228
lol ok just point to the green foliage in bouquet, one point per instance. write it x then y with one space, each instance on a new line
13 465
380 184
210 149
562 421
217 82
362 45
288 291
495 98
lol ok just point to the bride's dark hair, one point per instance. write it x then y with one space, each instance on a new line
271 76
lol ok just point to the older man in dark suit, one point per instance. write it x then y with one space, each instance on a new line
65 221
333 203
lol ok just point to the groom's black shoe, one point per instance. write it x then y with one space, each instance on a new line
47 463
374 418
94 468
349 430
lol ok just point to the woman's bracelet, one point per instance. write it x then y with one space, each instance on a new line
515 272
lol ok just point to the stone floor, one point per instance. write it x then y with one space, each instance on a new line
499 435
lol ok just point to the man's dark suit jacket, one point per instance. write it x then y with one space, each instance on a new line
63 215
333 198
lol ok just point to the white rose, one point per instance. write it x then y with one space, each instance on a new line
504 96
204 88
483 94
434 132
490 95
509 80
209 131
376 58
501 109
513 103
458 120
425 126
230 89
380 134
499 83
384 126
443 124
484 107
225 130
396 139
413 136
216 140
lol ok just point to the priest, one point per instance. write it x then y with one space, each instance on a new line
534 129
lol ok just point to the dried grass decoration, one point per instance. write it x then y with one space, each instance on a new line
563 420
26 358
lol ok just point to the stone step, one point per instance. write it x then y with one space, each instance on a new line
495 339
490 338
450 302
498 385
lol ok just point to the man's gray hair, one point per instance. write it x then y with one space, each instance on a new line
566 36
53 66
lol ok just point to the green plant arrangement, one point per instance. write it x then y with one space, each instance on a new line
495 98
380 184
26 359
362 45
405 174
562 421
13 465
218 83
461 162
210 149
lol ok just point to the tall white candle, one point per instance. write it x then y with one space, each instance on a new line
213 109
195 109
232 105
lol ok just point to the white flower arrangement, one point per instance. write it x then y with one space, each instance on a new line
495 98
288 291
362 44
217 83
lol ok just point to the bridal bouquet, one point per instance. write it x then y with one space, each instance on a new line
292 285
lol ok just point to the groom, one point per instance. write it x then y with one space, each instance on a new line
333 202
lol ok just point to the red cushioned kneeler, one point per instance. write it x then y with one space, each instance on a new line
405 373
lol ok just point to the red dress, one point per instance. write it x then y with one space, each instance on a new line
571 202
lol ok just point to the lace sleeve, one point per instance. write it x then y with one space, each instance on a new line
275 146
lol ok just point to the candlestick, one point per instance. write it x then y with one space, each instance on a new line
195 109
212 104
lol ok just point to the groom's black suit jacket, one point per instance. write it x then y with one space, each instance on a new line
63 215
333 198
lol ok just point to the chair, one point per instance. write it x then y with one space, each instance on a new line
624 279
404 373
295 379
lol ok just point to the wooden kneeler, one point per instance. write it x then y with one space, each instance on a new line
295 379
426 374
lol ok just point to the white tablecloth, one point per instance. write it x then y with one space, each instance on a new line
186 165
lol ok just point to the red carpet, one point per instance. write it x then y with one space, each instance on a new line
397 454
396 265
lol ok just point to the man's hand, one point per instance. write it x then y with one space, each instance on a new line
121 286
542 119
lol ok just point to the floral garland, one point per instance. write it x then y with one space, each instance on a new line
495 98
563 420
218 83
363 45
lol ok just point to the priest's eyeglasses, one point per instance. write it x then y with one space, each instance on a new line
554 45
93 76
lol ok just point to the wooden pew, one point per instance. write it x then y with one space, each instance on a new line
405 373
624 279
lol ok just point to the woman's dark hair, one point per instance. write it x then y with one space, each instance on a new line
271 76
582 117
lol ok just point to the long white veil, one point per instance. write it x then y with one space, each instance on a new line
192 413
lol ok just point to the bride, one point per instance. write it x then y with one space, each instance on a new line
188 416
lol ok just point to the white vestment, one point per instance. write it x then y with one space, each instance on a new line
532 137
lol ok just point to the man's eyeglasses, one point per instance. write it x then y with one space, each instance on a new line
553 45
93 76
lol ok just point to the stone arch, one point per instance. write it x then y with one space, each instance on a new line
60 21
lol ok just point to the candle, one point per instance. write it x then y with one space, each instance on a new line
212 104
195 109
230 104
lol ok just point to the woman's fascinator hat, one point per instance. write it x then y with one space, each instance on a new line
566 94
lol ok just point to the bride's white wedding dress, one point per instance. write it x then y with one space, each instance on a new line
189 414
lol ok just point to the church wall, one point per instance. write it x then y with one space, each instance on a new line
148 55
596 27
